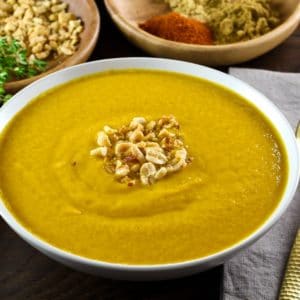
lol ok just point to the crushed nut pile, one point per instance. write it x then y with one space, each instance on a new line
143 151
43 27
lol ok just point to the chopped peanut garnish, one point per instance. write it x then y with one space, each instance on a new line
43 27
143 151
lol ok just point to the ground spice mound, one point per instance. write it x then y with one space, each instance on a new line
172 26
232 20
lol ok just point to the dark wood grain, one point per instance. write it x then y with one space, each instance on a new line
284 58
27 274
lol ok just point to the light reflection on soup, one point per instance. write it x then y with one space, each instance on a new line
53 186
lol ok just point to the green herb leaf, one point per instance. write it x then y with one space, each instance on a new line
14 64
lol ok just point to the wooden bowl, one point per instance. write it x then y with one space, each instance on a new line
127 14
88 11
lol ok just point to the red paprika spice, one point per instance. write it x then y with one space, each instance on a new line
172 26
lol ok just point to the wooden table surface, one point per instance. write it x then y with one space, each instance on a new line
27 274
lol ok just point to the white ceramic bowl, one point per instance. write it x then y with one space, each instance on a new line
165 271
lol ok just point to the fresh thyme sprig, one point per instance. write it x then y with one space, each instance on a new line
14 64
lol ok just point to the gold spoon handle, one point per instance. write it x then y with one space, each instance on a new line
290 289
298 133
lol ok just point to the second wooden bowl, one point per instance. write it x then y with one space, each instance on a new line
128 14
88 11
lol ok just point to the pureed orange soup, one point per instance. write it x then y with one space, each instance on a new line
58 191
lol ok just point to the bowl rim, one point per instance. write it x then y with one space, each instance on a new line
291 20
166 65
76 58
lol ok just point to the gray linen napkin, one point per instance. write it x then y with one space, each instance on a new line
256 273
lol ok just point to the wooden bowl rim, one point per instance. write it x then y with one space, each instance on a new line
77 57
293 19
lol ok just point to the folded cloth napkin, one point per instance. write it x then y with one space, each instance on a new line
256 273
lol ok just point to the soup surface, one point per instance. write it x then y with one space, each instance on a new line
58 191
